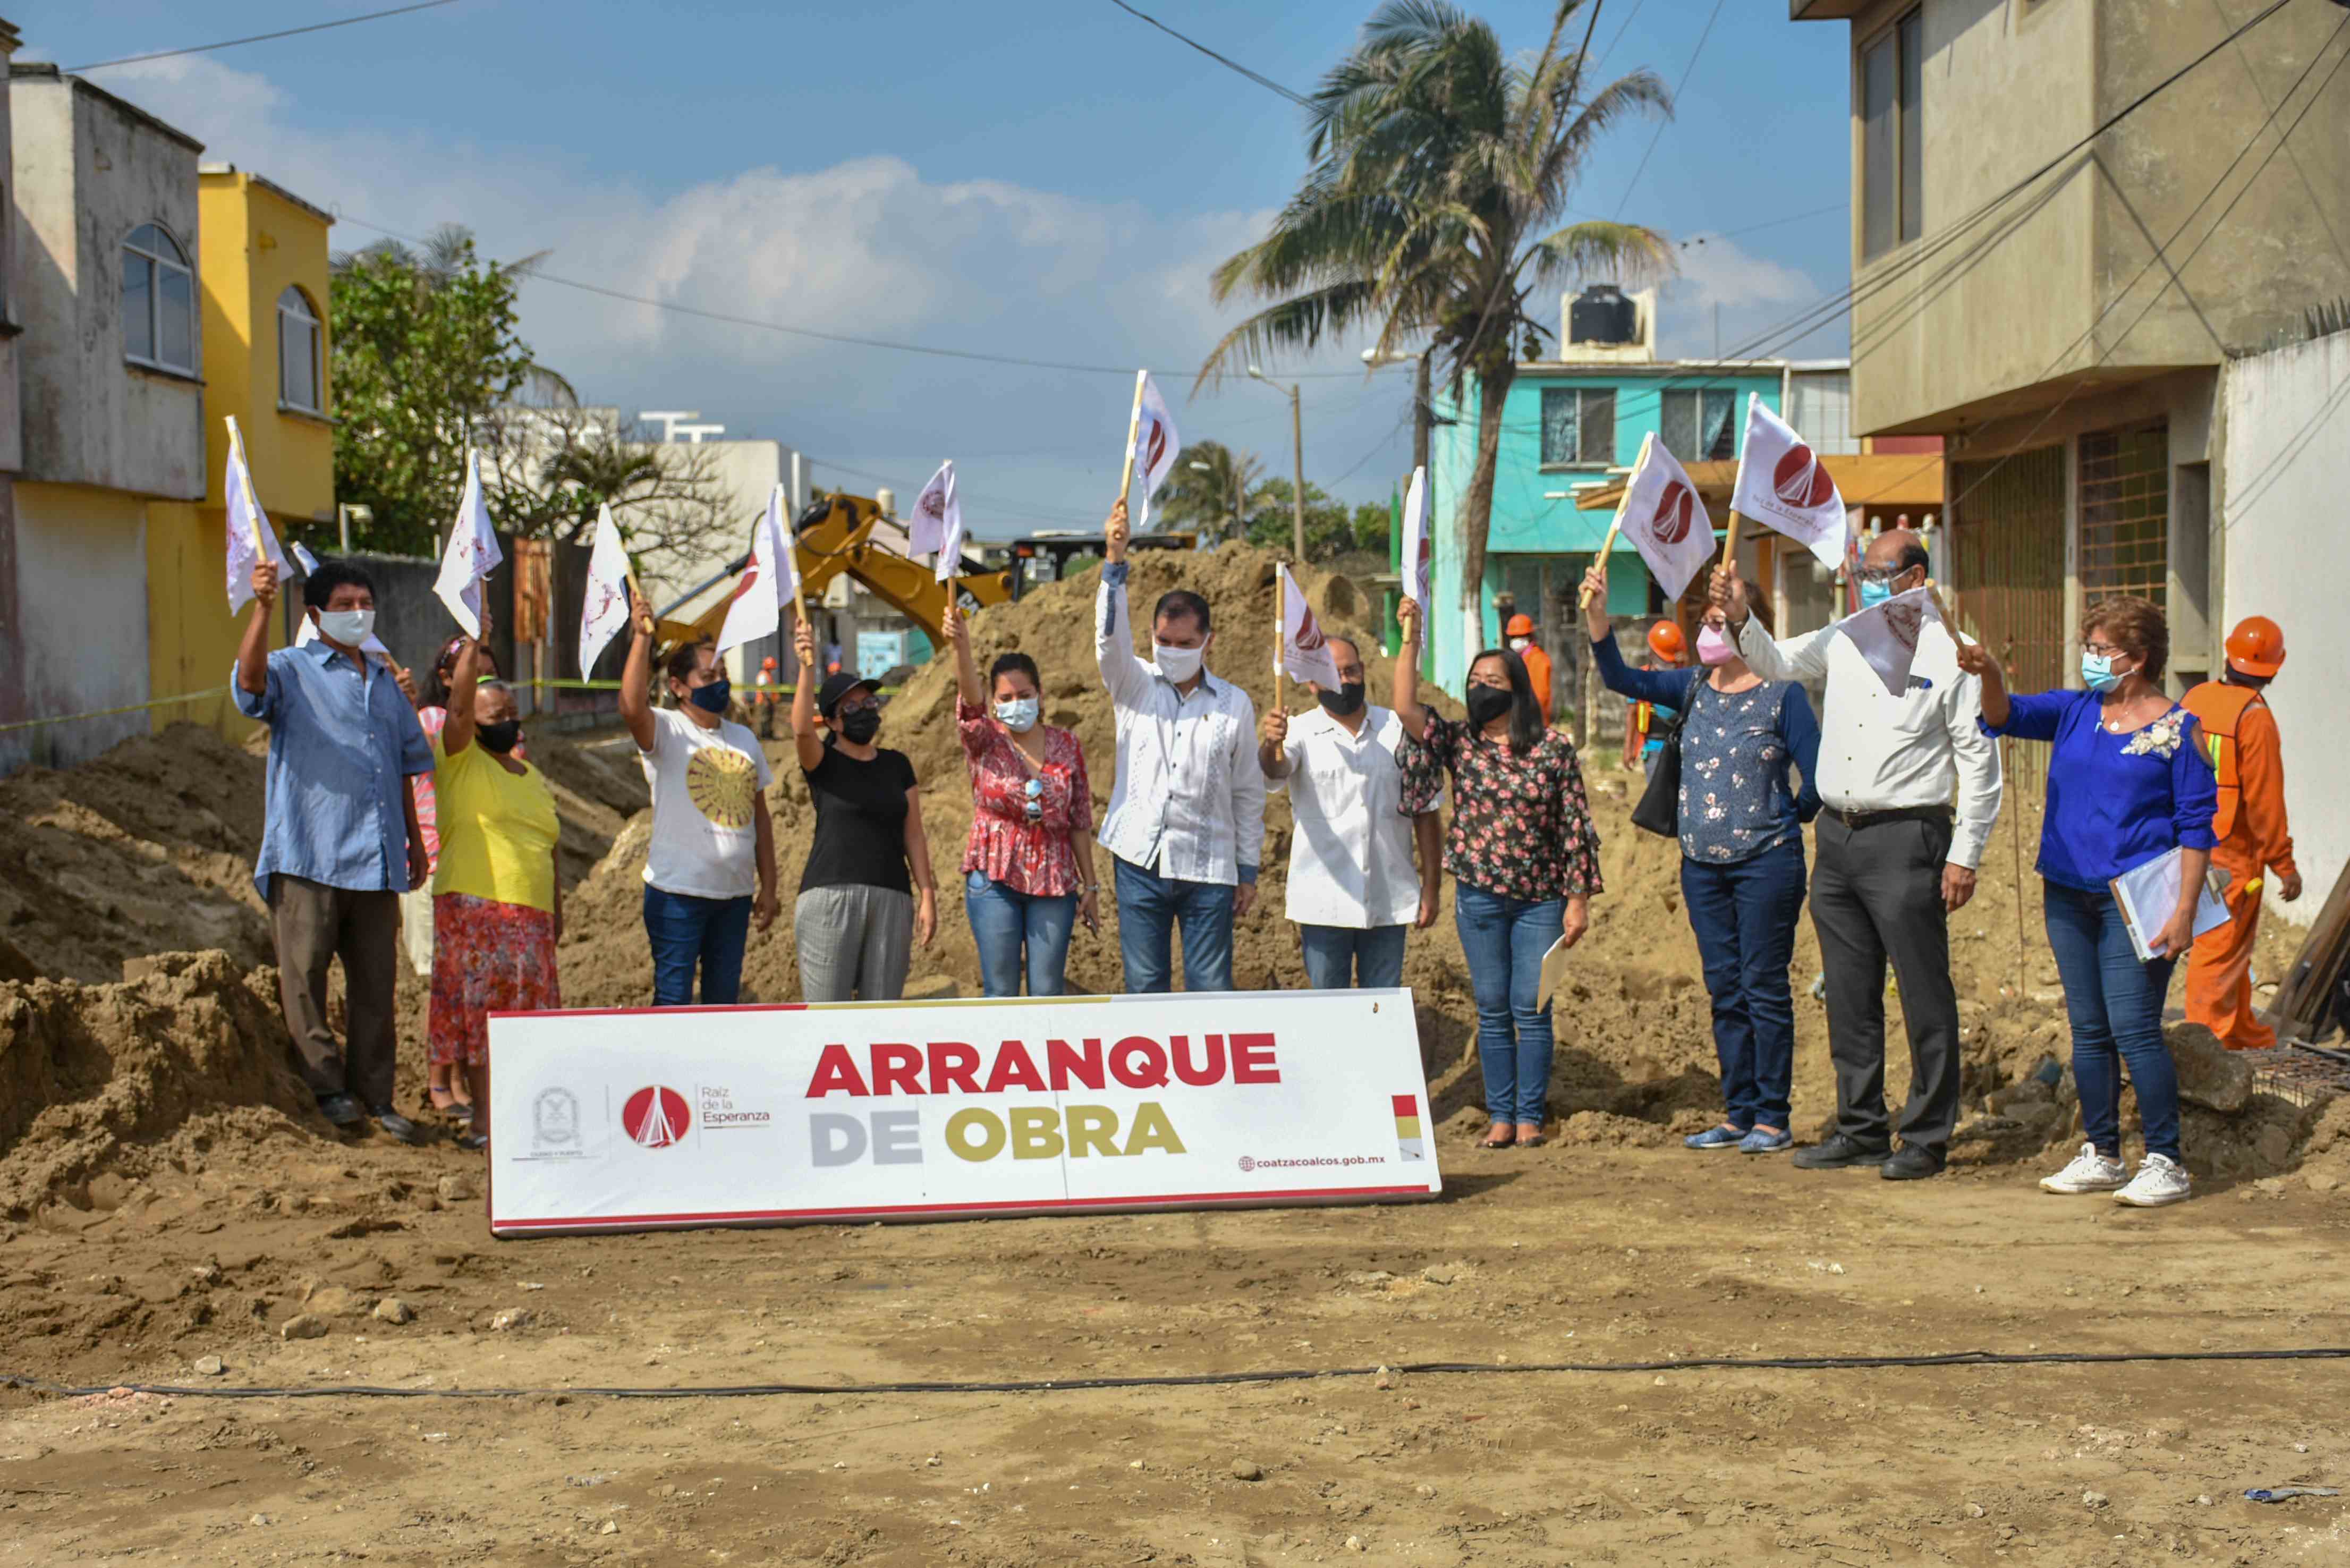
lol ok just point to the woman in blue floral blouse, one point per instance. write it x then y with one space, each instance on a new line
1742 830
2128 782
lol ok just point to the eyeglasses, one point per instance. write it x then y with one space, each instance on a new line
2104 649
1883 574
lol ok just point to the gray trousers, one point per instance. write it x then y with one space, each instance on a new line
1876 894
313 925
855 943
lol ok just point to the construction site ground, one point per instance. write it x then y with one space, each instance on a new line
173 1212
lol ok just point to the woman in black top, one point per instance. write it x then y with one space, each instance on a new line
857 913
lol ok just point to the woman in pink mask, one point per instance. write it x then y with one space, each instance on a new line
1742 833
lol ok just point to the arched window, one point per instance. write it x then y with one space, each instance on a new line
300 380
159 301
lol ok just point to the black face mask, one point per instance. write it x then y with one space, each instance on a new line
1487 703
861 726
500 738
712 698
1346 700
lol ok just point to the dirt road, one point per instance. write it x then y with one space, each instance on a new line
1563 1253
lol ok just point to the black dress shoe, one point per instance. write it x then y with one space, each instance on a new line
341 1110
1838 1150
1911 1163
395 1125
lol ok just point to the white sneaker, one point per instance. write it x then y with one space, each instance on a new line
2160 1180
2089 1172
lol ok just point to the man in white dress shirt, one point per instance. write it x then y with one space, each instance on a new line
1893 860
1352 888
1186 819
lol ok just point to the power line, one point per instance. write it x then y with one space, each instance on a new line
1770 224
1226 61
1634 182
264 37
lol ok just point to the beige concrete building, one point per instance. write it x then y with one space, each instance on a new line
2058 301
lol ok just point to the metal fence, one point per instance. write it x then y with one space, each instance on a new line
2125 514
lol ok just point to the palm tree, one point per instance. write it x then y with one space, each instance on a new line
1440 170
1212 488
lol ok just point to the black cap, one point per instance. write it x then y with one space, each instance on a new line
838 686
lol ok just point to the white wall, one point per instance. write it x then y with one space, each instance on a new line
81 560
2286 483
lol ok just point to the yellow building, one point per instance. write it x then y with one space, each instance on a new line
263 272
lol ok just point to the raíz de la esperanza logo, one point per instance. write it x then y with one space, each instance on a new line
1674 510
656 1117
1800 479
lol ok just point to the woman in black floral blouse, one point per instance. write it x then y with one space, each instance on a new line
1523 852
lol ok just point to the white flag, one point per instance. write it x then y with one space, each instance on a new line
1783 484
1887 634
756 609
308 562
1303 652
250 537
1665 520
1155 446
1418 548
473 553
604 610
936 526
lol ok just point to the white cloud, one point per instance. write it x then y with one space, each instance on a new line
1753 295
865 248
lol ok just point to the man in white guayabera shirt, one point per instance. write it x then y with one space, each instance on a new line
1353 891
1895 862
1186 820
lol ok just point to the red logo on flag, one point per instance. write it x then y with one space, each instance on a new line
1674 511
1154 446
750 576
1905 621
1309 636
933 504
1802 480
656 1117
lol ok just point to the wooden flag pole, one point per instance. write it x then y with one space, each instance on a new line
1729 543
1616 524
1133 428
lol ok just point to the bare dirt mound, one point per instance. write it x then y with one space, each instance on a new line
98 1077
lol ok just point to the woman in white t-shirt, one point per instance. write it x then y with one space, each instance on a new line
712 841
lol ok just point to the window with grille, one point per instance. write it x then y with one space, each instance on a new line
159 301
1698 425
298 352
2125 514
1579 425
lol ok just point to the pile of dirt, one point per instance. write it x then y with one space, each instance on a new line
103 1078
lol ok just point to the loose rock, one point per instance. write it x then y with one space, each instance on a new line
457 1189
1247 1470
513 1317
211 1366
391 1309
302 1326
1440 1273
2210 1074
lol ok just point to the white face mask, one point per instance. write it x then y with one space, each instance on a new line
1017 713
349 628
1520 644
1178 664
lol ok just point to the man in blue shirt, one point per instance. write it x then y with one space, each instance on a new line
340 843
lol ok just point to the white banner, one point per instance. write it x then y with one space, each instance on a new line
635 1119
1418 549
1156 443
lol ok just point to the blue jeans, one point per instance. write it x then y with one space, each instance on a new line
690 933
1003 923
1744 916
1339 957
2114 1005
1504 940
1150 907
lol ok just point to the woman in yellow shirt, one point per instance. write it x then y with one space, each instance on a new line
497 902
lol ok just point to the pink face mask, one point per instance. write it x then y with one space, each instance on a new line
1712 648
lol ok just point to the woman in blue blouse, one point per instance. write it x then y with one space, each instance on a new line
2128 781
1741 853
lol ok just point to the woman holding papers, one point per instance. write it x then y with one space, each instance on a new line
497 901
1522 851
1742 832
2128 785
1028 867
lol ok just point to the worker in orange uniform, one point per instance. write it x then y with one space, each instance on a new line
764 697
1520 633
2239 735
1644 724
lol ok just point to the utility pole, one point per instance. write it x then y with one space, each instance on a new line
1298 454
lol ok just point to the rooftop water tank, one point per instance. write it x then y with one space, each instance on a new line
1601 314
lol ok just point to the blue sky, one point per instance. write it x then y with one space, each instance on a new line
1049 179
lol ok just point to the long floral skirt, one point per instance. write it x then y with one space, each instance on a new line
487 957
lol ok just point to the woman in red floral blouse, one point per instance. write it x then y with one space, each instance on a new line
1522 851
1028 868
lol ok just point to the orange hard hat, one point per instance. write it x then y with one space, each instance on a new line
1520 626
768 662
2256 646
1666 641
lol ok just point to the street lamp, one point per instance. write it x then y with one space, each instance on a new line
1297 453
